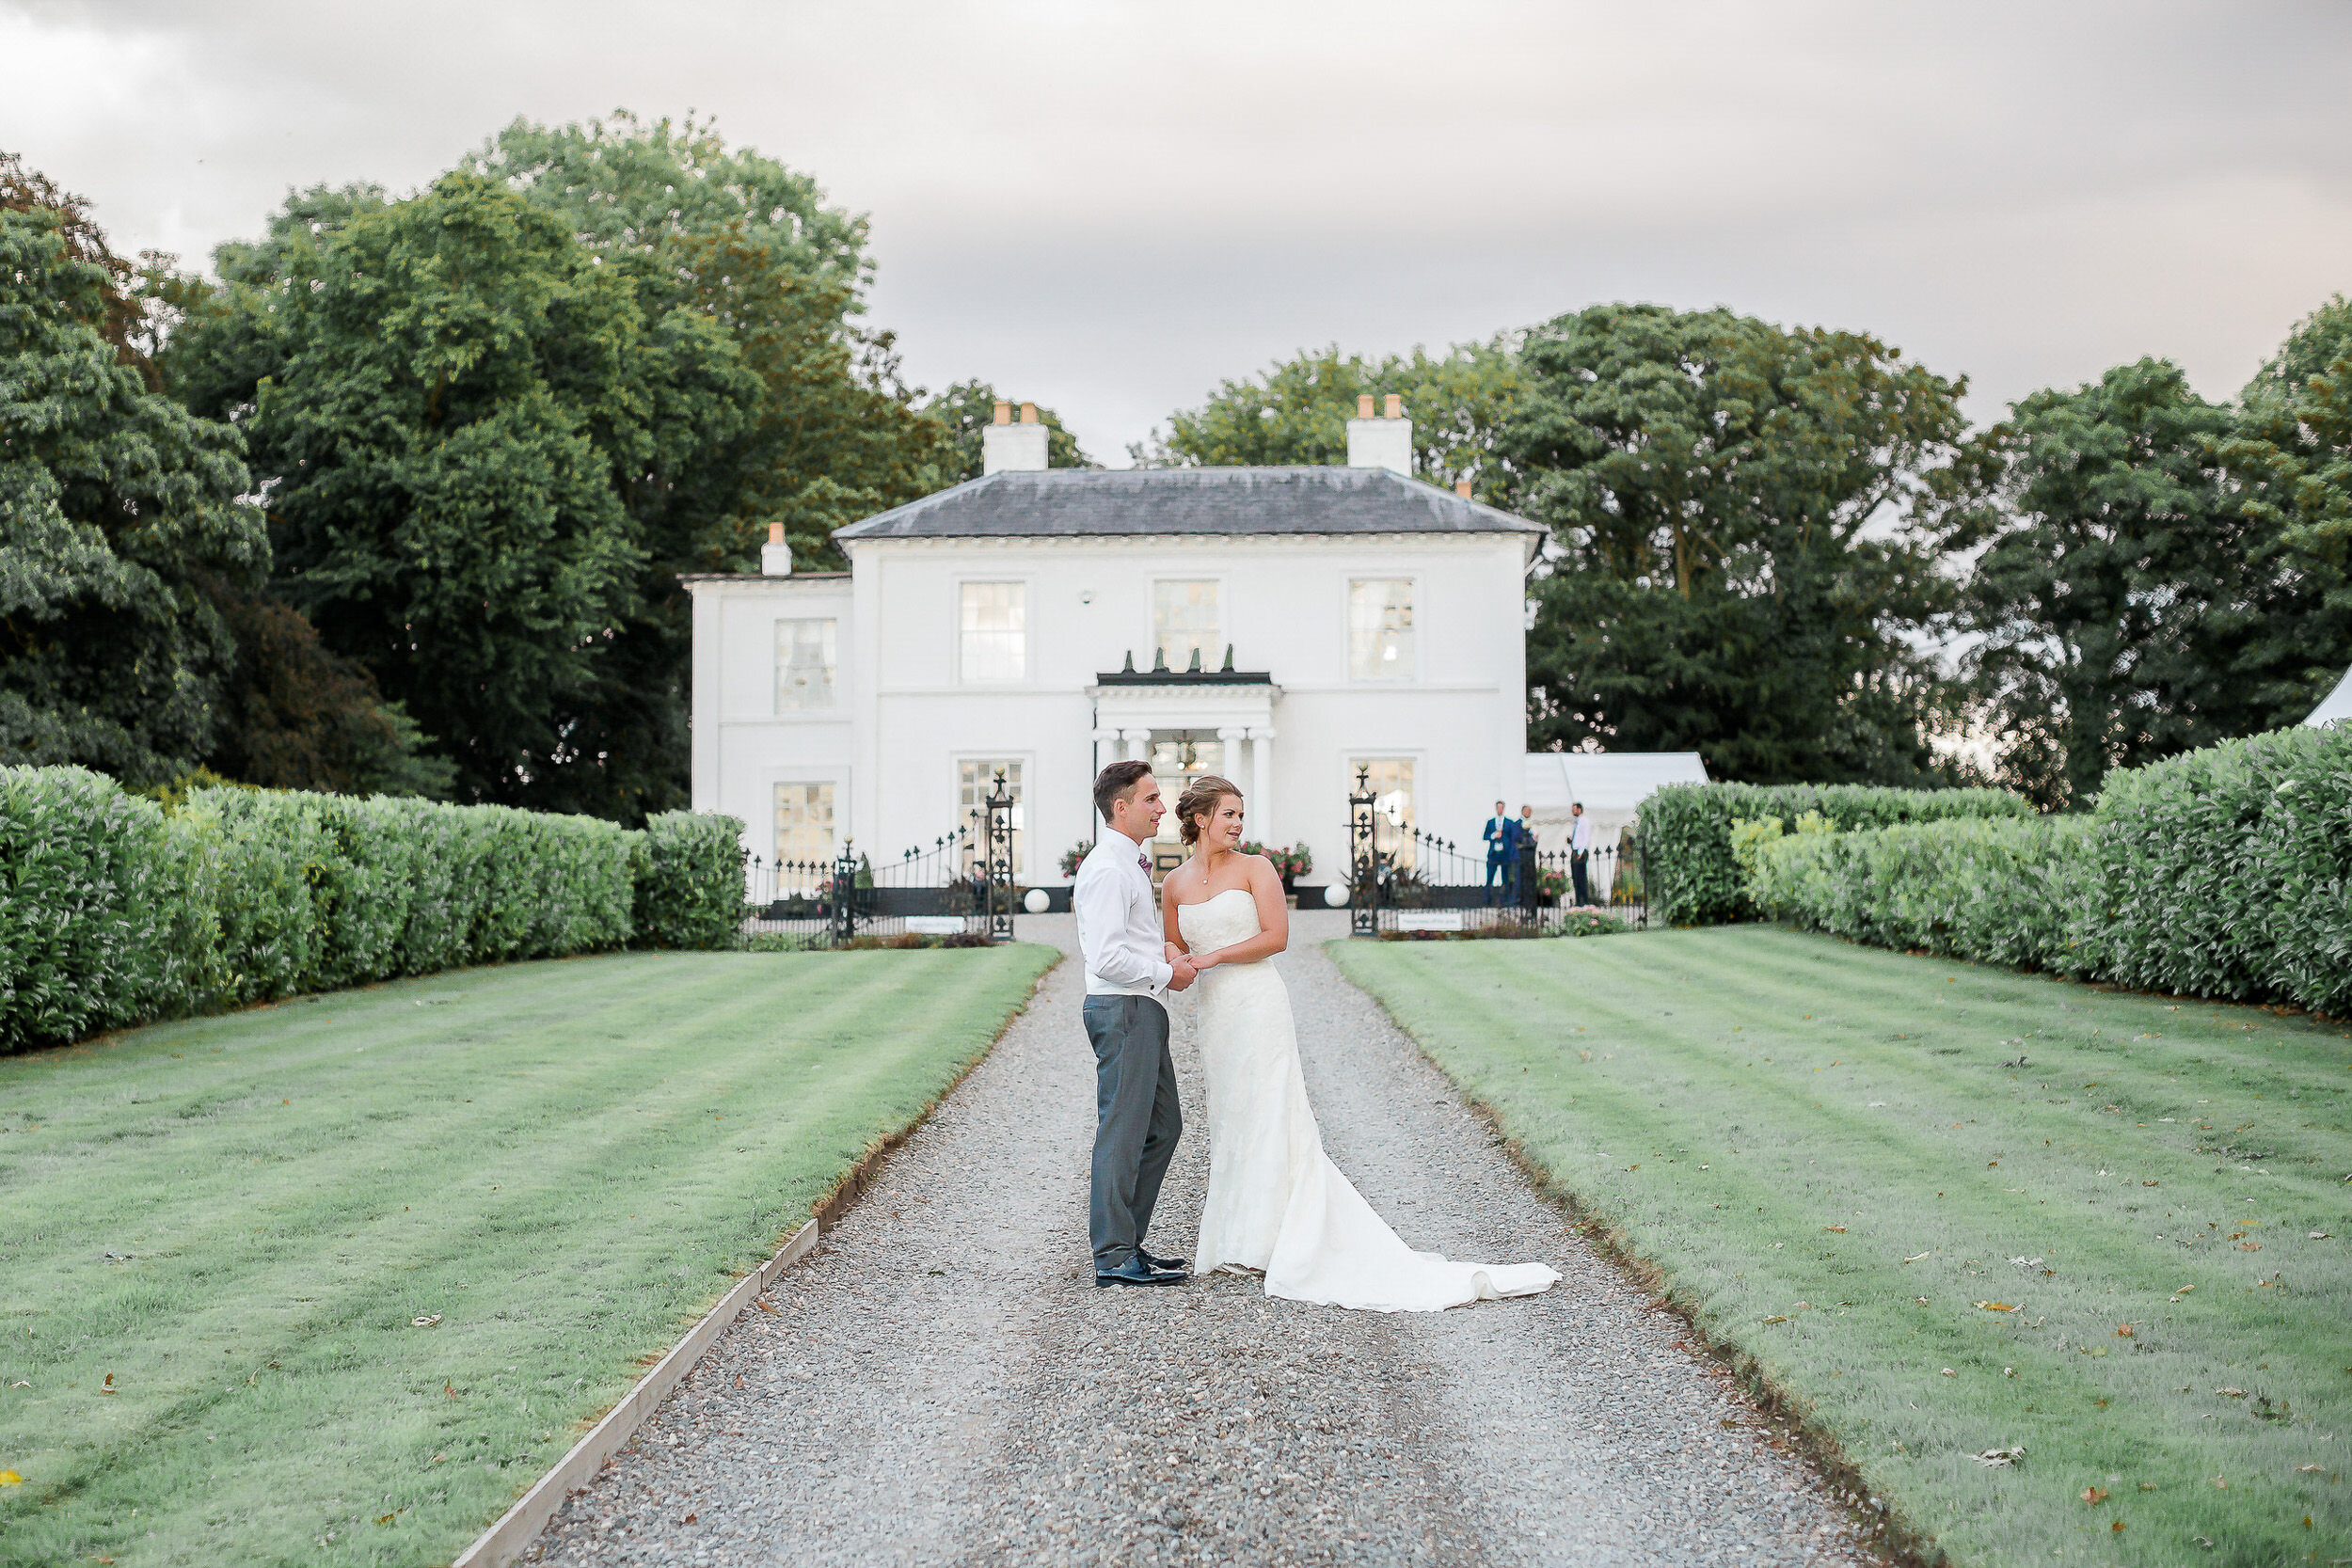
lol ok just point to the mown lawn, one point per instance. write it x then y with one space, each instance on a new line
215 1235
1847 1163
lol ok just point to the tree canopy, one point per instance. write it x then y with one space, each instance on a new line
1297 411
964 409
113 500
1736 565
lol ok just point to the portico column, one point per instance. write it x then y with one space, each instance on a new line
1139 745
1261 783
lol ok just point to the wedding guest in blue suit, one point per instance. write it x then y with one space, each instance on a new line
1502 853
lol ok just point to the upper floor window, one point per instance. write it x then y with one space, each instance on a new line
1380 629
805 664
1184 624
993 626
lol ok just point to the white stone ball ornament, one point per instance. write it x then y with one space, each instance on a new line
1037 901
1335 893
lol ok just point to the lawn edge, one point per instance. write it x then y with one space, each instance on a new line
1895 1539
511 1535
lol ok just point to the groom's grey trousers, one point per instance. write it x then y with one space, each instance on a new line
1136 1120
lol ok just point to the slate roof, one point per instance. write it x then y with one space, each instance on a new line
1073 502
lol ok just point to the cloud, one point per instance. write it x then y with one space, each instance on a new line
1109 207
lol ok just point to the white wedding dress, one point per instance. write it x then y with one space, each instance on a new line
1276 1201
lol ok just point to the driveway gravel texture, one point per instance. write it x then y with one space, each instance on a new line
943 1383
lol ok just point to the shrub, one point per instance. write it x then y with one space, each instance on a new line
114 911
1995 890
2228 871
1693 878
2225 872
89 881
688 872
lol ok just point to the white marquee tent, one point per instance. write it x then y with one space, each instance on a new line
1612 786
2336 707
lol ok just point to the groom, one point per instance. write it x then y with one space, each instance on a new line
1137 1118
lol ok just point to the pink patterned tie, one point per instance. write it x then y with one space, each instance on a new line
1143 862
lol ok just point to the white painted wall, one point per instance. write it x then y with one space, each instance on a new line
908 715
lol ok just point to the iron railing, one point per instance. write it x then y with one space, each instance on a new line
1404 880
959 885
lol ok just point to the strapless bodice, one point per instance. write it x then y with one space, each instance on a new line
1219 920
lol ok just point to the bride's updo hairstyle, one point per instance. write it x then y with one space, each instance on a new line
1199 802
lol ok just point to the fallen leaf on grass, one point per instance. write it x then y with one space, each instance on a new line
2319 1235
2310 1469
1997 1306
2123 1331
1993 1459
2231 1393
385 1518
1930 1253
2250 1246
1921 1300
1776 1320
108 1387
2094 1496
1838 1229
10 1478
2117 1527
1948 1373
424 1322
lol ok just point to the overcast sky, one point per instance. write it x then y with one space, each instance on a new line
1110 206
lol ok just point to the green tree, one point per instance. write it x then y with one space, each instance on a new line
744 241
966 407
1737 565
1297 412
452 405
113 500
2289 463
2124 601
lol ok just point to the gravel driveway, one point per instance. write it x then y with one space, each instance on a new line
943 1383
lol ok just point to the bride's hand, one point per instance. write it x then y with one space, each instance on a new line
1208 960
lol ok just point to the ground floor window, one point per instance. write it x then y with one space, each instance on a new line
976 780
804 824
1390 781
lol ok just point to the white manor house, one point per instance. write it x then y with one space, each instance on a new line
1283 626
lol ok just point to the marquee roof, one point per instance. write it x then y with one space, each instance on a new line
1077 502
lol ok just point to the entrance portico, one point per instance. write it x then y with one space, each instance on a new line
1190 723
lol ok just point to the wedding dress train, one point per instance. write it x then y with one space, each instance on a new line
1276 1201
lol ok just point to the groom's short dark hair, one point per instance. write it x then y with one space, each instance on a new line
1113 782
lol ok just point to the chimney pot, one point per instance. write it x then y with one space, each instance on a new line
1003 412
1363 405
1396 407
1461 488
1028 413
1006 447
775 556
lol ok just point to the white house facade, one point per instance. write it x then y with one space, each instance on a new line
1285 627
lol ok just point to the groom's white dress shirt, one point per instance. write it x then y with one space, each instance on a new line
1119 921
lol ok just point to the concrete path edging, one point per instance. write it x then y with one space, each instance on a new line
520 1525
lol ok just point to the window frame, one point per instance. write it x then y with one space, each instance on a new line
1412 581
964 677
1213 656
776 704
1021 835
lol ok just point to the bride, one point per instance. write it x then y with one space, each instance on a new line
1277 1204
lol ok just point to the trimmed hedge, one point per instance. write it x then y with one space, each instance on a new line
2225 872
1695 880
114 912
689 871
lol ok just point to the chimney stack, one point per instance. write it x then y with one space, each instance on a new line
1009 448
1383 443
1462 488
775 556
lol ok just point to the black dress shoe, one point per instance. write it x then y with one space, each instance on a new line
1170 1265
1134 1270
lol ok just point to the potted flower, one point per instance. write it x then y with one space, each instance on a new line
1291 862
1073 856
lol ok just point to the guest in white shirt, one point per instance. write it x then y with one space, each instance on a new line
1137 1120
1580 850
